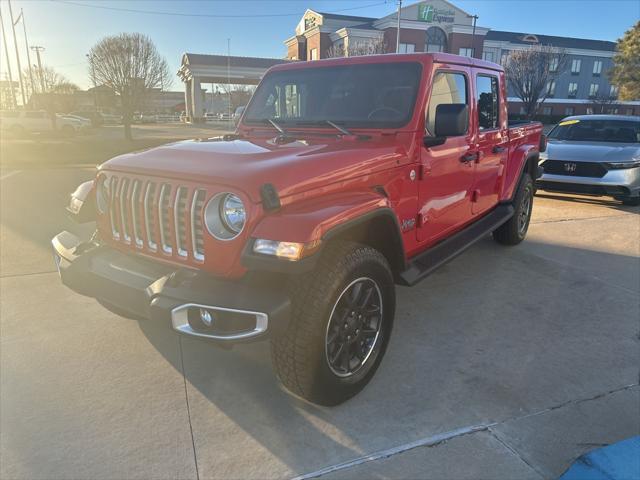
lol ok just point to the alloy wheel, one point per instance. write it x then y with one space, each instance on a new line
354 327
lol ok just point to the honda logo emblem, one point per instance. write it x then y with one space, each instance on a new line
570 167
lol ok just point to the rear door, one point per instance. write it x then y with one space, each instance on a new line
492 140
448 169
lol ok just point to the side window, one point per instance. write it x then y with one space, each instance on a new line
448 88
488 99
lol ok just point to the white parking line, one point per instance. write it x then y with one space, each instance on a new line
10 174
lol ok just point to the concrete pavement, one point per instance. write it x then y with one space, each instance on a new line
506 363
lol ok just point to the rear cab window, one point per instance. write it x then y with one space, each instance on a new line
488 102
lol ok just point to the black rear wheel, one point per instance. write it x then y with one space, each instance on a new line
341 322
515 230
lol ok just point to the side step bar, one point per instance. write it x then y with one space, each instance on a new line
425 263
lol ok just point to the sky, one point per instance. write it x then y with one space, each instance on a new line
69 28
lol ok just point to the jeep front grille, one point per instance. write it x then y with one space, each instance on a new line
158 216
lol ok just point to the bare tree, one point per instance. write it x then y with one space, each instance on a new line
130 64
358 49
602 103
53 81
530 71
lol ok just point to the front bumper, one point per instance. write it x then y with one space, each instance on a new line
619 183
249 309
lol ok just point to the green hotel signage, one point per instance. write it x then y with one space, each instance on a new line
430 14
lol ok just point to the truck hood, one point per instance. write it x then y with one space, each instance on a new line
592 151
246 165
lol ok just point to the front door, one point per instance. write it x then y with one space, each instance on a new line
448 169
492 141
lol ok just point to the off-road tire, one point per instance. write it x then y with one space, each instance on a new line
298 353
513 232
631 202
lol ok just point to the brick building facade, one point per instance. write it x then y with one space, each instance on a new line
439 26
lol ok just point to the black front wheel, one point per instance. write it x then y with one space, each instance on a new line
340 327
515 230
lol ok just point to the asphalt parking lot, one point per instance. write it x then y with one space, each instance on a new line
506 363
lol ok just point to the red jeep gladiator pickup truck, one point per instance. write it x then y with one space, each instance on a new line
344 177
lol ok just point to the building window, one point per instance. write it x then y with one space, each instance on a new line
551 88
613 91
488 98
575 66
407 48
629 111
504 58
593 89
466 52
491 54
597 68
313 54
589 110
448 88
436 40
569 111
547 111
613 111
522 111
553 64
573 90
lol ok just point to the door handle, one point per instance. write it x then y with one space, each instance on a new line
469 157
499 149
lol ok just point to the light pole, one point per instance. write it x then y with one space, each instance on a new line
38 49
6 52
398 28
93 80
473 35
229 74
15 43
26 42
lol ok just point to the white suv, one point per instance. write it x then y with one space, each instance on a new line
20 122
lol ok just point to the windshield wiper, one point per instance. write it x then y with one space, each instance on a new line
281 130
339 128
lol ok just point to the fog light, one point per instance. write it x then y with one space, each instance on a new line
206 317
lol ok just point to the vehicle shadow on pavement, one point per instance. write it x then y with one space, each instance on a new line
470 346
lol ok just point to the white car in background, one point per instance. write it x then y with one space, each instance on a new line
85 124
21 122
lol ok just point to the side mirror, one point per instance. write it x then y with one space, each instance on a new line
452 120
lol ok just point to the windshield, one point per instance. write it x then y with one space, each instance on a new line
366 96
621 131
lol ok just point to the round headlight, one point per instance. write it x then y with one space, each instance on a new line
225 216
233 213
102 194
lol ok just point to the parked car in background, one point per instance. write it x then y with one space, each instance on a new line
141 118
594 155
95 118
85 123
224 117
22 122
111 119
210 117
237 115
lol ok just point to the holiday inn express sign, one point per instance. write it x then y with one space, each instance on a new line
430 14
